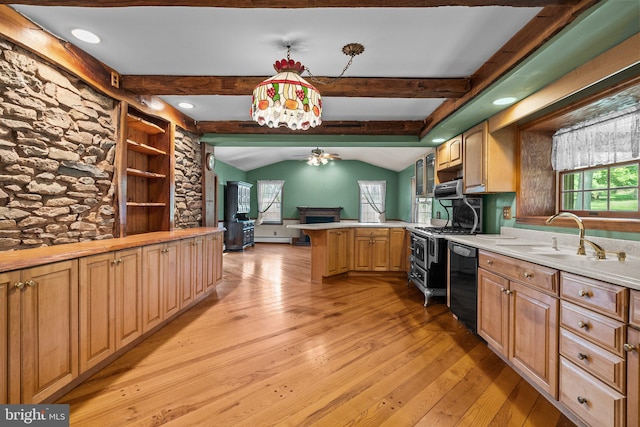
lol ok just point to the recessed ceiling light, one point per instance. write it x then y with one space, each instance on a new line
185 105
85 36
438 140
505 101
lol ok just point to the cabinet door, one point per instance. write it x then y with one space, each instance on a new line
362 253
493 310
380 254
209 261
420 177
397 249
171 279
186 272
49 329
218 250
455 152
152 292
128 296
474 153
337 252
197 266
97 299
533 340
442 156
633 377
7 280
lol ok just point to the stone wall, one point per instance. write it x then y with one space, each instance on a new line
57 150
188 195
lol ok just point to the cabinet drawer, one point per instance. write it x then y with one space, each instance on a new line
590 399
605 298
541 277
604 331
371 232
634 309
600 363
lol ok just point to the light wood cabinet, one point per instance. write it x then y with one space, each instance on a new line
213 260
43 331
192 274
371 249
397 249
161 279
518 320
146 160
489 160
6 282
449 159
337 251
109 301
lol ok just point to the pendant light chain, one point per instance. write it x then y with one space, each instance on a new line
352 50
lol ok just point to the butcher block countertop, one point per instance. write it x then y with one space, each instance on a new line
15 260
536 247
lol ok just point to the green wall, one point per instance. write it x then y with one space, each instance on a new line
334 184
226 173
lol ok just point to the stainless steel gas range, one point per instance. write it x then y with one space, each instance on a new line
428 260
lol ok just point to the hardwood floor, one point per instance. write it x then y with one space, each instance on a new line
270 348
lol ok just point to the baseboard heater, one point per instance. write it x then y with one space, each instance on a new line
272 239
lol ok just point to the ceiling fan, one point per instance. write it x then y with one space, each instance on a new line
319 157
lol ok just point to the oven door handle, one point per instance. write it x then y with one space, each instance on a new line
463 251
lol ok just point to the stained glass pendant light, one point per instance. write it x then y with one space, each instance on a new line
287 99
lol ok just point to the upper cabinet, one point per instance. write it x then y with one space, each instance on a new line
489 164
146 168
449 159
425 175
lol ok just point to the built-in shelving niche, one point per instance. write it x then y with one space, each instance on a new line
146 173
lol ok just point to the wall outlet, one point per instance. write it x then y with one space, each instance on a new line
438 215
506 212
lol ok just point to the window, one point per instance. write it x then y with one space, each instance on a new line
372 201
608 191
423 210
270 202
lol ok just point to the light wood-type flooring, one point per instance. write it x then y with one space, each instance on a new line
270 348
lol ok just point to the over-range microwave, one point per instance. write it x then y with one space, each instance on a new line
449 190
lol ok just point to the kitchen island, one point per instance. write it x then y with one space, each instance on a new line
356 248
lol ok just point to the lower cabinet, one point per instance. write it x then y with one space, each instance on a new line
192 277
397 249
161 291
632 348
337 251
518 320
5 284
43 327
109 303
371 249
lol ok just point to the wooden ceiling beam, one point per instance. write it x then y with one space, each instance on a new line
326 128
293 4
550 21
371 87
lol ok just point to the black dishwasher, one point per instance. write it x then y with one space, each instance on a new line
463 282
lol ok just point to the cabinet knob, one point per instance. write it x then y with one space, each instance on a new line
583 293
583 356
489 262
508 291
528 275
582 325
19 285
582 400
629 347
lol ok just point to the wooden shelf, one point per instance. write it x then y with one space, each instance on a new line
143 125
144 148
145 205
144 174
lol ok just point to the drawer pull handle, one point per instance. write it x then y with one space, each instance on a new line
583 356
19 285
489 262
528 275
583 325
582 400
583 293
629 347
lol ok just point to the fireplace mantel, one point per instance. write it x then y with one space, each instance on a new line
315 215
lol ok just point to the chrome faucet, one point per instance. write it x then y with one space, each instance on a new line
600 252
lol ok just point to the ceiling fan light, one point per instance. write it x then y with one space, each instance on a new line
287 99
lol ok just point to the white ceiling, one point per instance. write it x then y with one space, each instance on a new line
425 42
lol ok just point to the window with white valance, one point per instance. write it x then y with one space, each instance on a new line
270 201
606 140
